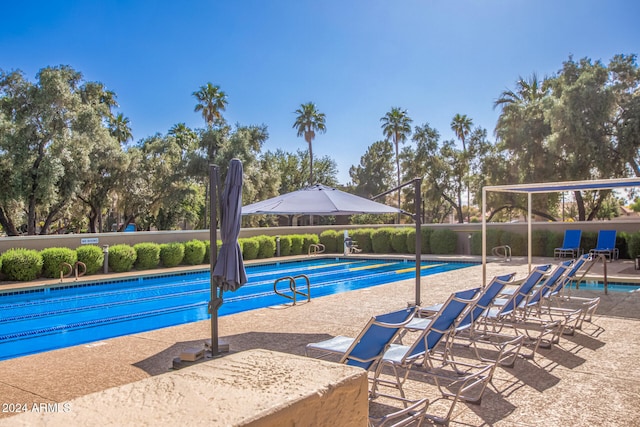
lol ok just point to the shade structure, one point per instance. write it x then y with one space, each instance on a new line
318 200
229 273
544 187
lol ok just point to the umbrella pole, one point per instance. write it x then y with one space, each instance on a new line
215 301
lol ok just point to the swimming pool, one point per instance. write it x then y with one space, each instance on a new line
48 318
592 285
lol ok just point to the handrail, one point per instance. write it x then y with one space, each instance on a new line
506 252
316 248
62 267
293 287
594 261
72 269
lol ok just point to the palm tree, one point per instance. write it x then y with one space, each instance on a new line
119 128
396 127
527 91
211 101
461 126
309 121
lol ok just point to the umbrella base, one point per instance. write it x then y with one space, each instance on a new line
223 347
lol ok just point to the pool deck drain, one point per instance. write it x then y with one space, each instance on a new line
591 378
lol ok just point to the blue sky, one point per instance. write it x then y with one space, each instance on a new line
354 59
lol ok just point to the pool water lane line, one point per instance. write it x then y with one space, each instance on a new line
62 316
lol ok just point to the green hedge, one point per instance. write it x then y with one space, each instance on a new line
329 238
91 256
399 240
250 248
633 245
297 242
381 240
53 258
171 254
285 245
443 241
22 264
266 246
194 251
121 258
308 240
362 237
147 255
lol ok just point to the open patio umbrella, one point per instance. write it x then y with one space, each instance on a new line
322 200
318 200
227 268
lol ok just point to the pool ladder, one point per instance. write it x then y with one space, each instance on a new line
316 248
72 269
293 287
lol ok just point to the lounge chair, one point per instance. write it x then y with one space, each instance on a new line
606 245
370 344
508 312
508 347
412 414
401 358
570 245
558 300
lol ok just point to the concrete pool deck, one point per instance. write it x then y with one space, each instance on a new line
591 378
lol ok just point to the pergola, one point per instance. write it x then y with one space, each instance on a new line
546 187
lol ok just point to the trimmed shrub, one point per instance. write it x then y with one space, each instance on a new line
308 240
250 248
425 244
622 239
329 238
540 240
147 255
121 258
171 254
362 237
297 242
207 251
285 245
381 240
91 256
22 264
443 241
554 240
399 240
493 240
52 259
516 241
589 240
266 246
194 251
633 245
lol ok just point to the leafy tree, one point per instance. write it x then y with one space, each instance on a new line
48 131
374 173
309 121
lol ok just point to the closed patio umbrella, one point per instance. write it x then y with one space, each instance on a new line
227 268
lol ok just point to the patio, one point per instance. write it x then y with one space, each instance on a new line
588 379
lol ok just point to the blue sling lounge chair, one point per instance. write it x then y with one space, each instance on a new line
570 245
606 245
367 348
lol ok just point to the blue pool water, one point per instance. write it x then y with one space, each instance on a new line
611 286
61 316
